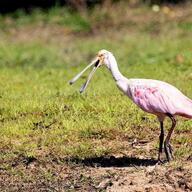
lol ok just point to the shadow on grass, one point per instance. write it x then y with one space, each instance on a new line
113 161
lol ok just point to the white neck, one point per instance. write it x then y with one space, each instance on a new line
113 67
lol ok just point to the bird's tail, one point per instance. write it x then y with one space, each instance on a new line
187 112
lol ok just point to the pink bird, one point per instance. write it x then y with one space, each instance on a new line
152 96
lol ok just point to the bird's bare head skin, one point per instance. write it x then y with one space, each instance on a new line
105 57
101 58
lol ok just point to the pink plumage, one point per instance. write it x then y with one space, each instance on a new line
159 98
153 96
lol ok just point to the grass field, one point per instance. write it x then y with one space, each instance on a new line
46 126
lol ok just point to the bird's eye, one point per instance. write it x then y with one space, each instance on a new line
100 55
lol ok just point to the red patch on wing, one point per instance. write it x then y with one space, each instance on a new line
152 90
136 92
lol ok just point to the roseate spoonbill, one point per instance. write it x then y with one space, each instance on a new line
152 96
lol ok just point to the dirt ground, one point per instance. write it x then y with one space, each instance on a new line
113 173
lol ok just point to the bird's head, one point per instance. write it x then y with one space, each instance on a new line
102 58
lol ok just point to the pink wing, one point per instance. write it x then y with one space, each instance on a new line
158 97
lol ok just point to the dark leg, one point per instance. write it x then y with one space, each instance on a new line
167 146
161 139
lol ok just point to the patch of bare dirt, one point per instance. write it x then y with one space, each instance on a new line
113 174
27 33
154 178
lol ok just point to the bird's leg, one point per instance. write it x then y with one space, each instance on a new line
161 139
167 146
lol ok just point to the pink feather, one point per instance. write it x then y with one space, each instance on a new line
159 98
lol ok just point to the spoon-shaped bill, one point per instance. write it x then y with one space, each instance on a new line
80 73
88 79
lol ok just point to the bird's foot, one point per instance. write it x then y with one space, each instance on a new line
160 161
168 151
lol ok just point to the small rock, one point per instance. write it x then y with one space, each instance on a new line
104 184
133 182
189 185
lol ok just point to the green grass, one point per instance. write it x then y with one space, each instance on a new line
42 116
73 21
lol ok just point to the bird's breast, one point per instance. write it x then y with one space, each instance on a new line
123 86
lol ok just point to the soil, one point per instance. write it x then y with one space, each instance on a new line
111 174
